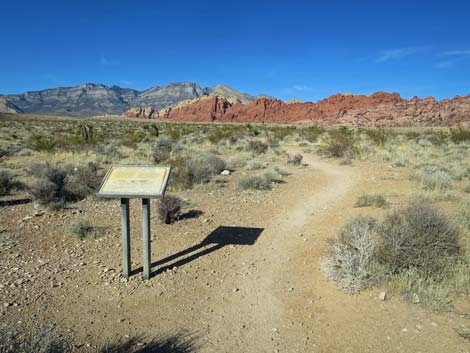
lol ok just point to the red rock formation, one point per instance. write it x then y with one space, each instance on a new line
380 108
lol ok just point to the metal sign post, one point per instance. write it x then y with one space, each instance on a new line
132 182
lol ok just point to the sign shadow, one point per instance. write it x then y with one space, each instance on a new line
217 239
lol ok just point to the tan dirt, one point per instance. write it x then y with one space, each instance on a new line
269 296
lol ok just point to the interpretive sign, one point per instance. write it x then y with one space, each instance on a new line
134 181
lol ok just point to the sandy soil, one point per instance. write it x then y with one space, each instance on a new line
242 277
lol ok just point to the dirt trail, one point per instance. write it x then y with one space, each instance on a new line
287 305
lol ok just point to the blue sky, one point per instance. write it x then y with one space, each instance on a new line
303 49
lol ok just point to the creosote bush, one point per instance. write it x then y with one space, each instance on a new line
257 146
190 171
372 199
54 186
169 208
350 256
417 237
338 142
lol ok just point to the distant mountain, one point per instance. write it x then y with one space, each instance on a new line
96 99
8 107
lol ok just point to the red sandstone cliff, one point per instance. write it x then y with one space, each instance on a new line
380 108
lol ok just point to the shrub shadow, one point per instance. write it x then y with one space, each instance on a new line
171 344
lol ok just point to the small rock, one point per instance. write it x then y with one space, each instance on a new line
404 330
382 296
225 172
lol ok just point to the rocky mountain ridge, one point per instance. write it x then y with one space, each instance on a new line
97 99
378 109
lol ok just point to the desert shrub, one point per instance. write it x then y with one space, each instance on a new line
281 171
109 152
82 180
49 189
213 163
417 237
339 141
371 199
255 182
347 157
462 214
187 172
217 134
254 165
169 209
84 134
83 229
39 142
459 135
433 178
349 260
162 149
280 133
295 160
311 133
377 136
55 186
257 146
6 182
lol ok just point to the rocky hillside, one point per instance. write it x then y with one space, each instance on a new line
8 107
384 109
97 99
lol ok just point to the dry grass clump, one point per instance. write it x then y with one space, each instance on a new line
83 229
433 178
350 256
169 208
255 182
371 199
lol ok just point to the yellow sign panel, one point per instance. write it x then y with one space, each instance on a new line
134 181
